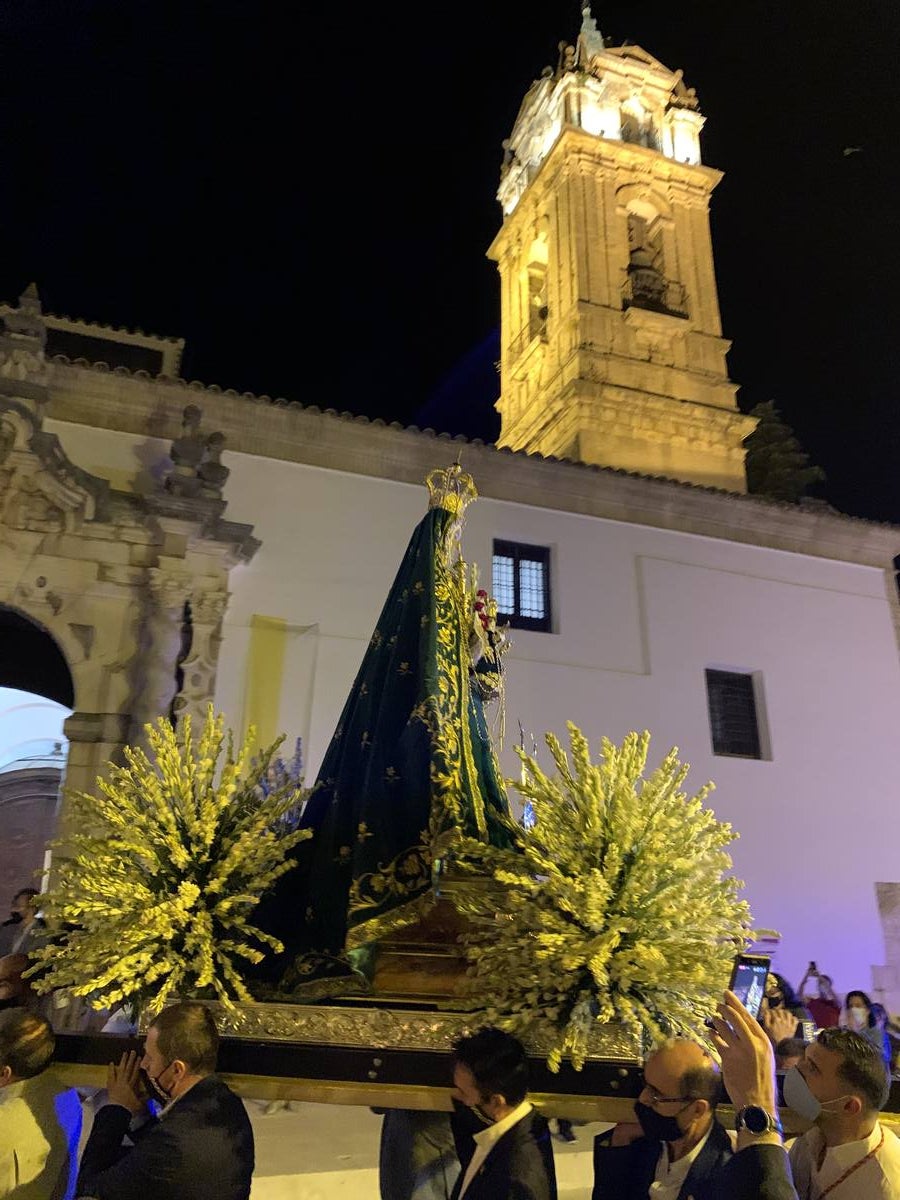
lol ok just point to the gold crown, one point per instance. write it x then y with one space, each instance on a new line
450 488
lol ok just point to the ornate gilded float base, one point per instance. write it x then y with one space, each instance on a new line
424 960
383 1028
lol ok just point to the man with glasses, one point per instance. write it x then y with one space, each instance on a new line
678 1148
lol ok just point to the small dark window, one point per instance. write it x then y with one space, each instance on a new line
521 585
732 714
115 354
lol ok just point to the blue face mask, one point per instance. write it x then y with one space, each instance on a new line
798 1097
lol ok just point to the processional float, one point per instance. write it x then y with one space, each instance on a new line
418 909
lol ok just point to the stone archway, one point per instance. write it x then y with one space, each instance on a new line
31 666
30 659
110 575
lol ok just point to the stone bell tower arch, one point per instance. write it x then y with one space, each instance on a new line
611 340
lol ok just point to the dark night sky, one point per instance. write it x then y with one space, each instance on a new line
307 198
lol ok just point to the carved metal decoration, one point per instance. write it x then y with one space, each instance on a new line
392 1029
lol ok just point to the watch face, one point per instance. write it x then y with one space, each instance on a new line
757 1120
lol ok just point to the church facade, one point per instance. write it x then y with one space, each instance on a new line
646 590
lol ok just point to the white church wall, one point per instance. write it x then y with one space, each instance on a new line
31 727
639 614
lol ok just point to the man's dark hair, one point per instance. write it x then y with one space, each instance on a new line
31 892
497 1061
26 1043
188 1032
862 1067
791 1048
702 1083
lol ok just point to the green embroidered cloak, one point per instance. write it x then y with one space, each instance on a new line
409 762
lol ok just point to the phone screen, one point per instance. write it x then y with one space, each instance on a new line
748 980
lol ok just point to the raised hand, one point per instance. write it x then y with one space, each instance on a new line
124 1085
778 1023
748 1062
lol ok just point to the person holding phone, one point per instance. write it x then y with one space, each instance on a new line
824 1007
760 1169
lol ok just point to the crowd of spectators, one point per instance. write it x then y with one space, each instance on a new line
170 1128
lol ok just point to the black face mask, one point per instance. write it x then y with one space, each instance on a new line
161 1091
657 1127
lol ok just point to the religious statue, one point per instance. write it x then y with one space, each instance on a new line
186 454
410 766
211 471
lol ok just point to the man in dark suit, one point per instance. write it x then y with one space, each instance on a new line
678 1148
760 1170
201 1145
504 1146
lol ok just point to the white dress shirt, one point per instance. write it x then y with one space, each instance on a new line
878 1179
488 1138
670 1177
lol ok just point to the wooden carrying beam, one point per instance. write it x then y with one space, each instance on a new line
389 1078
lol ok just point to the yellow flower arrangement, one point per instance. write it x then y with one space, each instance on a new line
167 862
617 903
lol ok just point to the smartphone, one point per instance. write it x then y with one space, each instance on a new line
748 980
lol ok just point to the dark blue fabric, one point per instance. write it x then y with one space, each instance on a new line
519 1167
626 1172
202 1149
757 1173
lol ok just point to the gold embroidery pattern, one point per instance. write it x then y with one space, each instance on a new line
404 876
405 882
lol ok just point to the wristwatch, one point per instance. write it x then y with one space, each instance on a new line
756 1120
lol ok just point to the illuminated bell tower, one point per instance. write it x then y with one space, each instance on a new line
611 340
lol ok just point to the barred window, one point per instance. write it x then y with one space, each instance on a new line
521 585
733 719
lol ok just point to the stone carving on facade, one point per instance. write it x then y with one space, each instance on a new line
154 676
211 471
40 489
22 342
21 364
186 454
198 667
197 469
114 591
